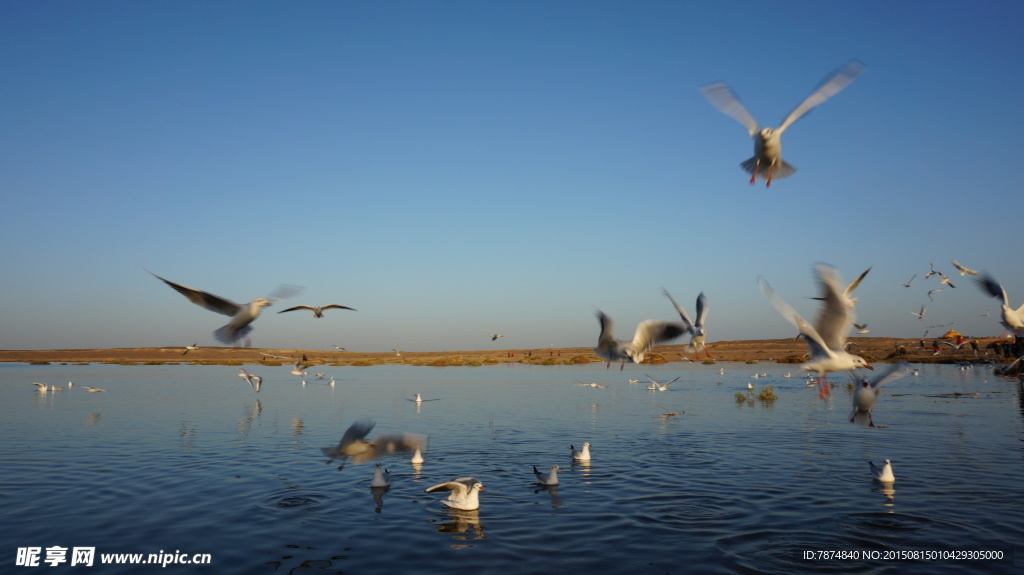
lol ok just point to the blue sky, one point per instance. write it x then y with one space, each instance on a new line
453 169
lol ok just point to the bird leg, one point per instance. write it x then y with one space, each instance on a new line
757 166
771 170
823 387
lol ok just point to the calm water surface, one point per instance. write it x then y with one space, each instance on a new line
189 459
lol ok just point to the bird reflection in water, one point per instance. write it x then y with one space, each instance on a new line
297 426
464 525
552 490
378 496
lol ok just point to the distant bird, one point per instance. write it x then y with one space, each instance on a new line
932 291
547 478
419 398
353 444
275 356
581 454
331 382
655 386
882 474
750 386
594 385
254 381
767 161
868 390
381 477
339 348
495 336
648 334
931 266
189 348
910 281
398 353
318 311
298 368
827 340
417 457
920 314
963 270
634 381
1012 319
945 280
465 493
93 389
861 328
696 329
44 387
667 412
241 314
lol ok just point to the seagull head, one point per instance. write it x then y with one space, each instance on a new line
766 133
861 362
261 302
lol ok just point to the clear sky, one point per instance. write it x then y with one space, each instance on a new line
454 169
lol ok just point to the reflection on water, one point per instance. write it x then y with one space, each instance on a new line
182 458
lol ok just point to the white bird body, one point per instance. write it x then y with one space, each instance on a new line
581 454
1012 319
381 477
882 474
827 343
648 334
767 161
698 333
495 336
465 493
93 389
241 314
945 280
298 368
867 391
318 310
417 457
419 398
547 478
189 348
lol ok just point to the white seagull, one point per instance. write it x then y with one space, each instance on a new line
931 266
648 334
696 329
465 493
44 387
1012 319
93 389
298 368
581 454
241 314
417 457
963 270
861 328
381 477
655 386
353 444
932 291
882 474
547 478
495 336
254 381
767 161
189 348
318 310
827 343
594 385
867 391
910 281
945 280
419 398
920 315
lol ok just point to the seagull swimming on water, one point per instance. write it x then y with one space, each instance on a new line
882 474
381 477
353 444
648 334
868 390
465 493
547 478
767 161
241 314
581 454
695 328
318 311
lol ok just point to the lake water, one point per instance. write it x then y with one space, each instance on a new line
190 460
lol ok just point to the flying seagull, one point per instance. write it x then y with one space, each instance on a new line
495 336
963 270
241 314
695 328
318 311
920 315
910 281
353 444
767 161
648 334
254 381
868 390
189 348
1012 319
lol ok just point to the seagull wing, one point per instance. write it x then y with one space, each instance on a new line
284 291
722 97
460 486
836 315
853 285
687 322
829 87
355 432
203 299
652 332
993 288
895 372
337 306
810 335
702 310
309 307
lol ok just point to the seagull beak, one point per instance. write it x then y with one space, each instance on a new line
869 367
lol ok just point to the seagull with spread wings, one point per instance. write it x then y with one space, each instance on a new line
696 329
318 311
767 162
648 334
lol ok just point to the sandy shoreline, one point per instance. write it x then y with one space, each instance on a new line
874 349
